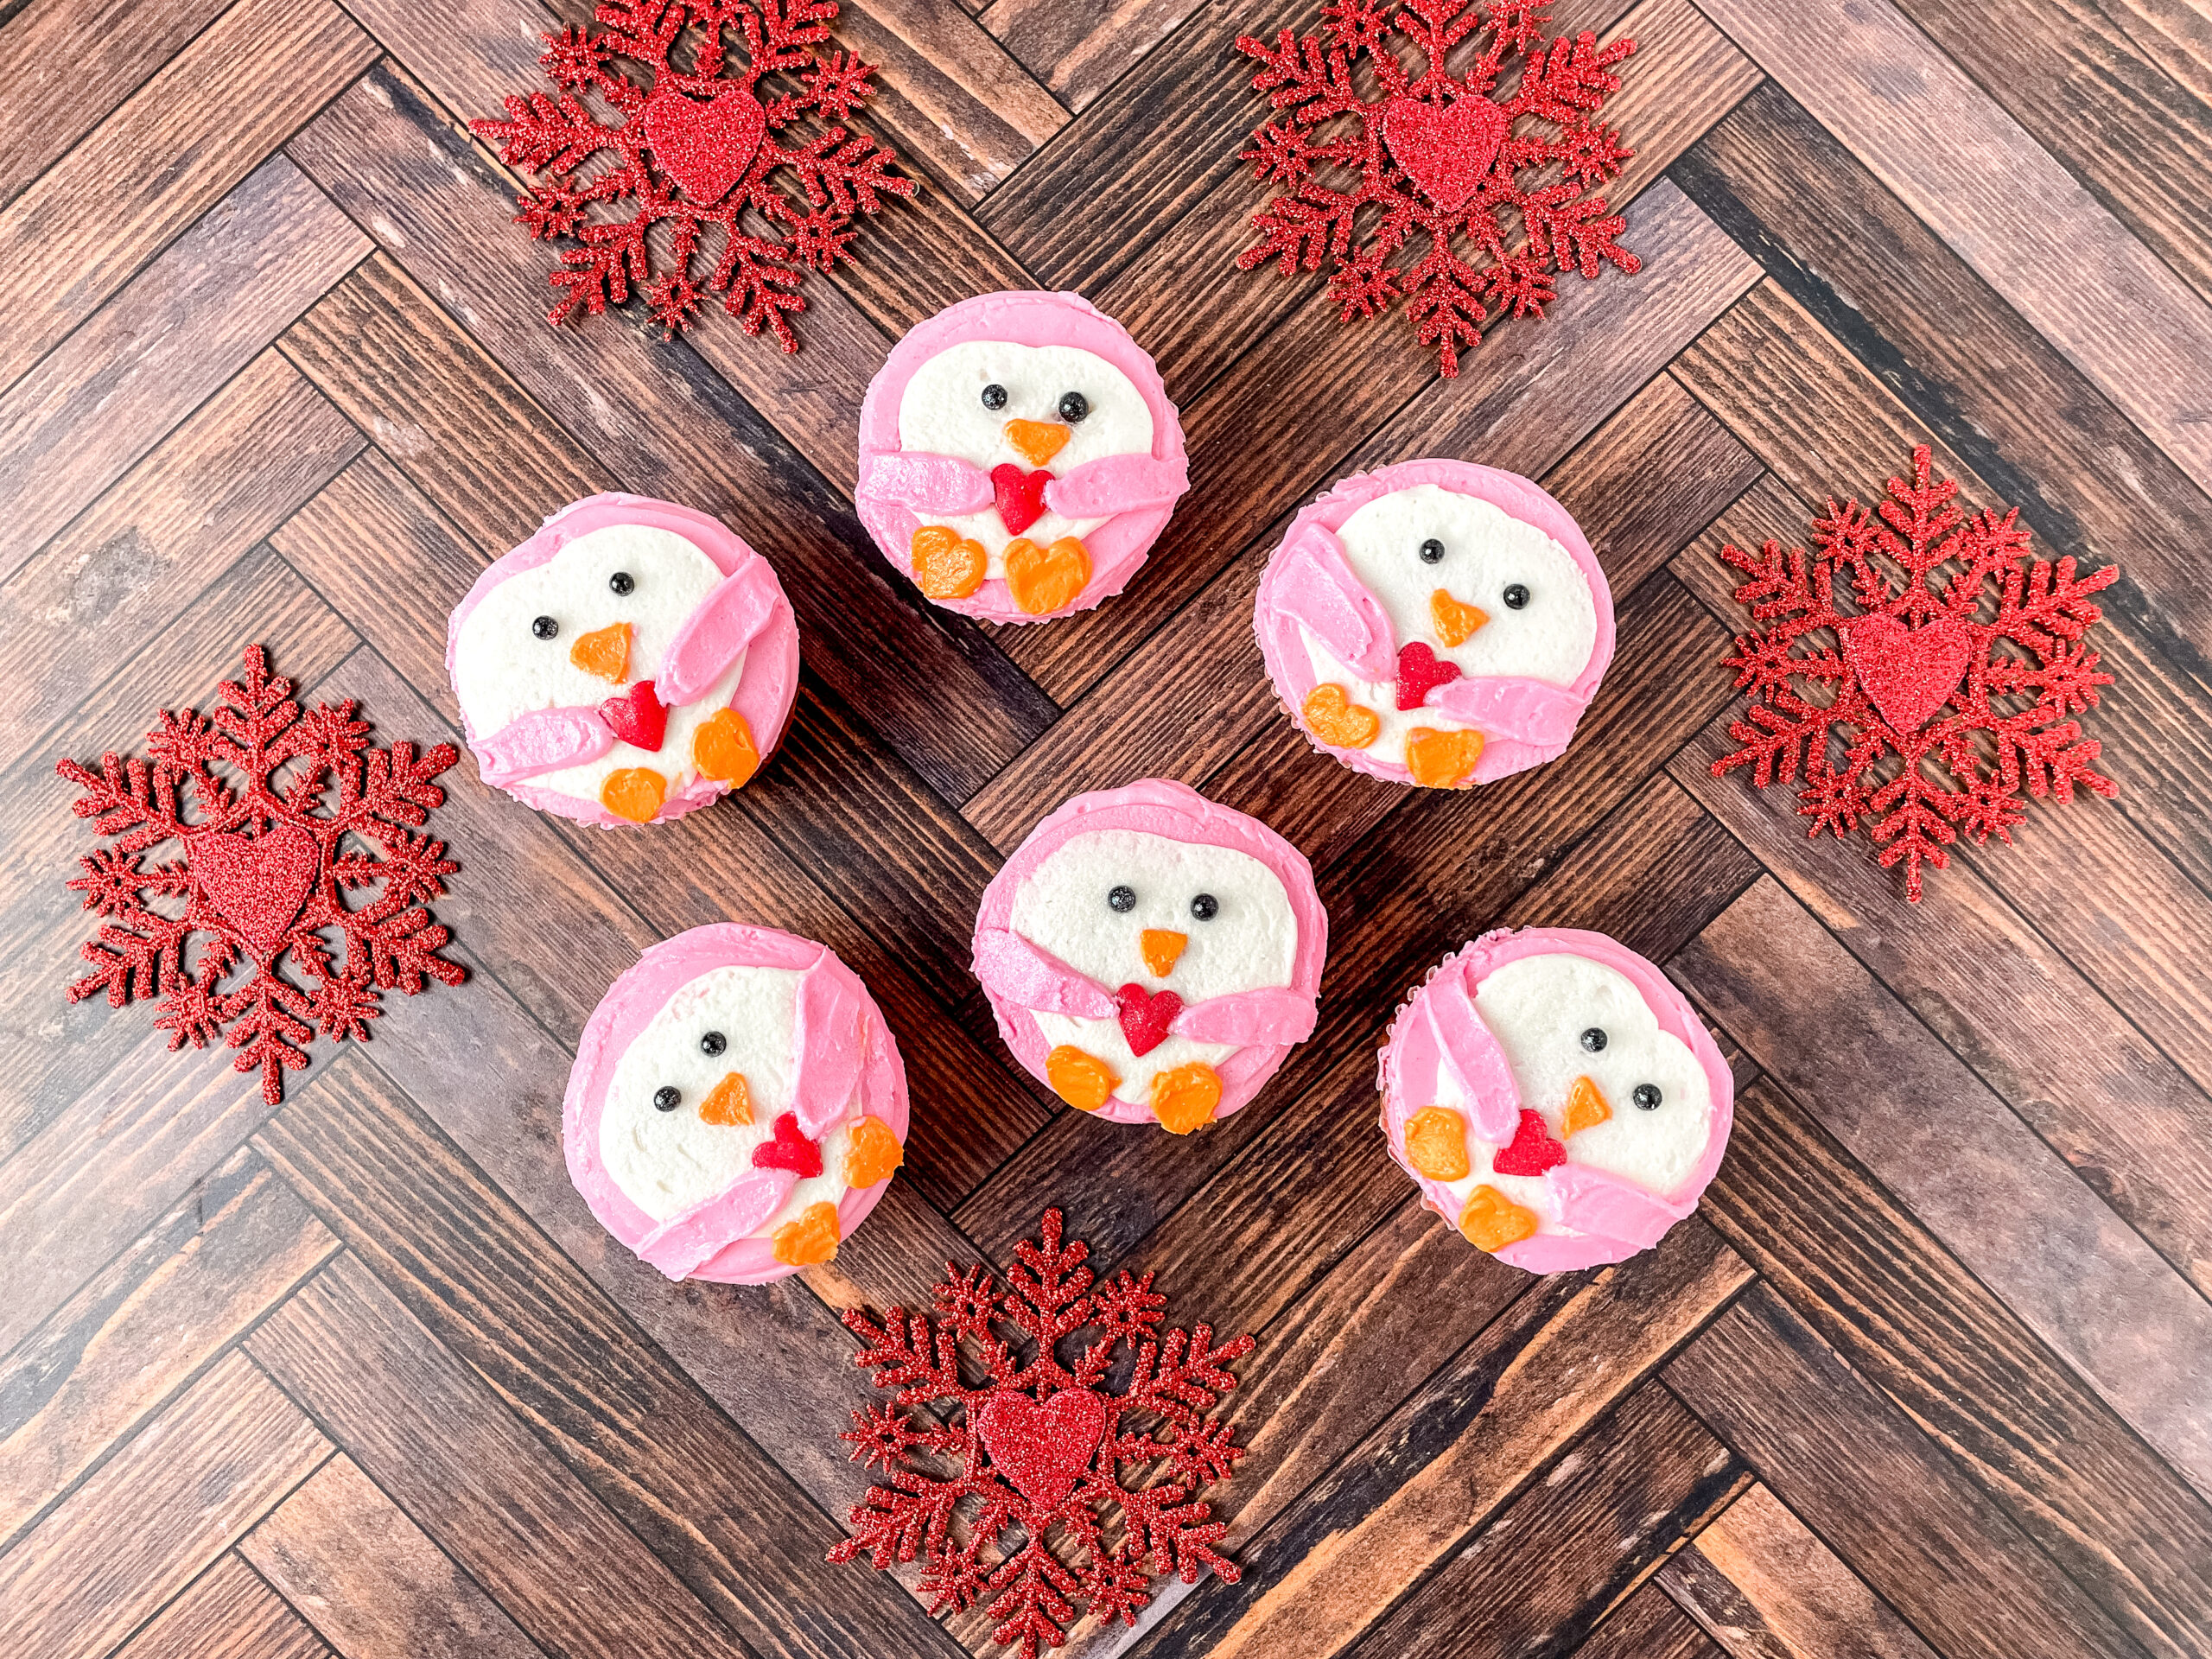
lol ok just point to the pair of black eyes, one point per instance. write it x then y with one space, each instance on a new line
1645 1095
668 1096
1515 595
545 627
1204 905
1073 404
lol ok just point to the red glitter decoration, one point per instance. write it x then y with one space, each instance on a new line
789 1149
1021 495
1944 688
1532 1150
694 148
1420 673
1040 1446
267 853
1146 1016
1439 155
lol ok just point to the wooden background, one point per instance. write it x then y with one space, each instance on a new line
1930 1372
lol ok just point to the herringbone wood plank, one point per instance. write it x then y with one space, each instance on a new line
362 1376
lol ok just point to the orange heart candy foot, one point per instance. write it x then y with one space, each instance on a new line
1184 1099
634 792
1436 1143
1338 721
1045 579
1491 1221
945 565
1083 1080
722 748
872 1152
1442 759
811 1240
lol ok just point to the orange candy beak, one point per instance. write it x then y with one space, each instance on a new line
604 651
730 1104
1455 623
1585 1108
1037 441
1161 950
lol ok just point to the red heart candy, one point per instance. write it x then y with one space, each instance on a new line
1445 152
1043 1449
789 1150
255 883
705 147
1908 673
1420 673
1021 495
1146 1016
637 717
1532 1150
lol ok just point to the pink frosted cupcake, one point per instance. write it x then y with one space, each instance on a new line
1151 957
737 1105
1555 1098
1019 456
629 662
1435 623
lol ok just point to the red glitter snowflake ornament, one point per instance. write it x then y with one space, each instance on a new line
697 148
266 855
1040 1447
1438 155
1946 685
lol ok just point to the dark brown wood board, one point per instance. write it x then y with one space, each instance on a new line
1929 1375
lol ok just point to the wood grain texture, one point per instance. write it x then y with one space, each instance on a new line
1648 1626
1765 1586
170 1501
227 1614
373 1582
2002 201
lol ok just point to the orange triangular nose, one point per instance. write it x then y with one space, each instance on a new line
1586 1106
604 651
729 1103
1455 623
1161 949
1037 441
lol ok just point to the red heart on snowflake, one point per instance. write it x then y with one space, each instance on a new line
1146 1016
1532 1150
1420 673
1021 495
1909 672
705 147
256 883
1445 152
1042 1448
637 717
789 1150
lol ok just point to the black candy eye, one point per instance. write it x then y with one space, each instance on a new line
1206 906
1432 551
667 1097
713 1043
1594 1040
994 396
1517 597
545 627
1073 406
622 581
1123 899
1647 1097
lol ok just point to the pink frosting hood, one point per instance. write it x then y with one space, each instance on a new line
1159 807
764 690
1545 717
630 1002
1613 1219
1116 547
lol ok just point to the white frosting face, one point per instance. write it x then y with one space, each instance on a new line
1250 942
502 670
1538 1007
665 1162
942 413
